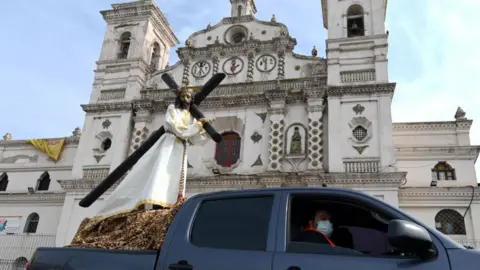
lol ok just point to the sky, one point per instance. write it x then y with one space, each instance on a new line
50 48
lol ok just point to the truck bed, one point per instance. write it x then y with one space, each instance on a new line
92 259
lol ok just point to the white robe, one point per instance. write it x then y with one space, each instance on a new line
159 176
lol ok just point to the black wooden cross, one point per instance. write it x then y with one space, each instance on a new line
130 161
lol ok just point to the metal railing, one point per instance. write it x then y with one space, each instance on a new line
14 246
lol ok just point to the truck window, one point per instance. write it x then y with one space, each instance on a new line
234 223
357 229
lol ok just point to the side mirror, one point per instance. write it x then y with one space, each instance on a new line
410 238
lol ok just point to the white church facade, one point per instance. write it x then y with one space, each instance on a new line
286 120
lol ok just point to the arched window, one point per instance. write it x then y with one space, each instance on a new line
443 171
228 150
3 182
155 56
239 11
355 21
43 183
32 223
124 45
449 221
20 263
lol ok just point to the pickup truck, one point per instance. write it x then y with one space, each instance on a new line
259 229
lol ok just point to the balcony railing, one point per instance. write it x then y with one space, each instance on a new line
13 246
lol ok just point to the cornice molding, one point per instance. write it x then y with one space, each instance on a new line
350 180
37 198
432 126
107 107
83 185
9 168
244 94
439 194
225 96
364 89
444 152
69 141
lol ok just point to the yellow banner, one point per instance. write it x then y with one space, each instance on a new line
53 148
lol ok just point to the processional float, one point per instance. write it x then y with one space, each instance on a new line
130 161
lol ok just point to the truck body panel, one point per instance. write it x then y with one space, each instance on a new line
254 229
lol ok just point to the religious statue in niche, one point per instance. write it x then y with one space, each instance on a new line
295 145
296 142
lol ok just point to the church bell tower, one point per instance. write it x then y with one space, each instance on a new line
359 92
243 8
137 43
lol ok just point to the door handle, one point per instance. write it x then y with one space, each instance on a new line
294 268
181 265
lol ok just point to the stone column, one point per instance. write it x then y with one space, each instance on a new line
186 68
315 133
277 114
281 65
141 124
251 66
216 63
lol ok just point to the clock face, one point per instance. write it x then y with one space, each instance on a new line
266 63
201 69
233 65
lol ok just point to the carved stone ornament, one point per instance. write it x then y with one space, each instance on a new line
77 132
361 129
360 149
21 158
296 144
262 116
460 114
258 162
256 137
233 65
98 157
106 124
358 109
266 63
7 136
201 69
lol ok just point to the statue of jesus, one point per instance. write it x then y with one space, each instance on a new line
158 178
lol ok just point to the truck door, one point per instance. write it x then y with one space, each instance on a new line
360 226
225 232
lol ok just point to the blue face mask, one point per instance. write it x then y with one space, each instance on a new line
325 226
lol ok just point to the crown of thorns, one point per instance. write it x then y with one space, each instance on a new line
188 89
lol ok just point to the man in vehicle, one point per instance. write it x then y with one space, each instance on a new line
319 229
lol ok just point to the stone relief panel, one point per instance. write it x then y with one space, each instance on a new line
296 137
138 137
19 159
276 144
361 133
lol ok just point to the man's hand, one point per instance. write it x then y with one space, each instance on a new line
204 121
